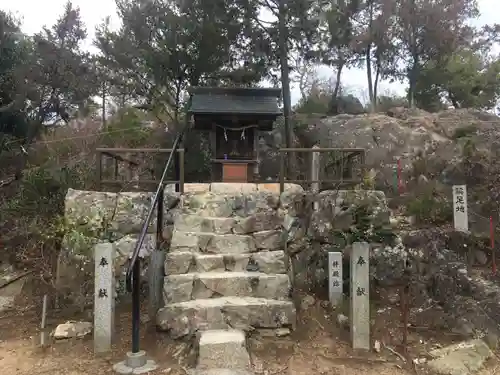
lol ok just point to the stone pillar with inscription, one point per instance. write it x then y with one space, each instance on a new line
360 296
104 298
315 166
460 214
335 285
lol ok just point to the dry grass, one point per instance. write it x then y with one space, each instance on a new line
64 157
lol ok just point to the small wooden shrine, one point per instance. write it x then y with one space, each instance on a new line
233 117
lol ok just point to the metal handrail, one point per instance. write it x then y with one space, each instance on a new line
133 269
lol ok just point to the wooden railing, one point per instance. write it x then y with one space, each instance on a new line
138 165
340 168
317 168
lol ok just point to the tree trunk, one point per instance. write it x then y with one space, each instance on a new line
453 100
104 106
337 80
413 81
375 85
412 76
285 80
369 77
368 57
335 102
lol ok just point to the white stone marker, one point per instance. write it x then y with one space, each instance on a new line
335 283
315 165
360 296
460 215
104 297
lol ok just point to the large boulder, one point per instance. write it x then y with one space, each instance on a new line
385 139
401 133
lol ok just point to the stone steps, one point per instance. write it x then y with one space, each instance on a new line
211 243
226 274
177 263
231 204
192 286
223 349
245 313
261 221
205 224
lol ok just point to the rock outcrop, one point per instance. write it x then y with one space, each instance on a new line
435 261
406 135
400 134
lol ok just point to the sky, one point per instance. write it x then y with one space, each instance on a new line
36 14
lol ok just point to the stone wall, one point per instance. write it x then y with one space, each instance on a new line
341 218
92 217
434 260
287 222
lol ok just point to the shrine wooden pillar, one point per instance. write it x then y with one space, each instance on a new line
213 149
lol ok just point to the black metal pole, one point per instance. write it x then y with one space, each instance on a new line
136 305
177 171
159 218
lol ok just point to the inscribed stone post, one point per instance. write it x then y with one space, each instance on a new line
104 297
360 296
315 164
460 214
335 284
156 282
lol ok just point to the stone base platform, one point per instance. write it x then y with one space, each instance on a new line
245 313
229 187
223 349
135 364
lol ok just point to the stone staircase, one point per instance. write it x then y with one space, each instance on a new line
226 275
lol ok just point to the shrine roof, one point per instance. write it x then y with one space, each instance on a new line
234 100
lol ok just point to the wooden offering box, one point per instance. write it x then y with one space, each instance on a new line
234 172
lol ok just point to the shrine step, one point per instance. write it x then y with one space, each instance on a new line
177 263
245 313
237 188
192 286
263 221
211 243
223 349
204 224
228 205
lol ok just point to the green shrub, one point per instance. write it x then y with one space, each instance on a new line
430 206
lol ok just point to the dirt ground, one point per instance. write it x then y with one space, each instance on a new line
318 345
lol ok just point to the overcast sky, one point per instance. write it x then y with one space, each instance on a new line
36 14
